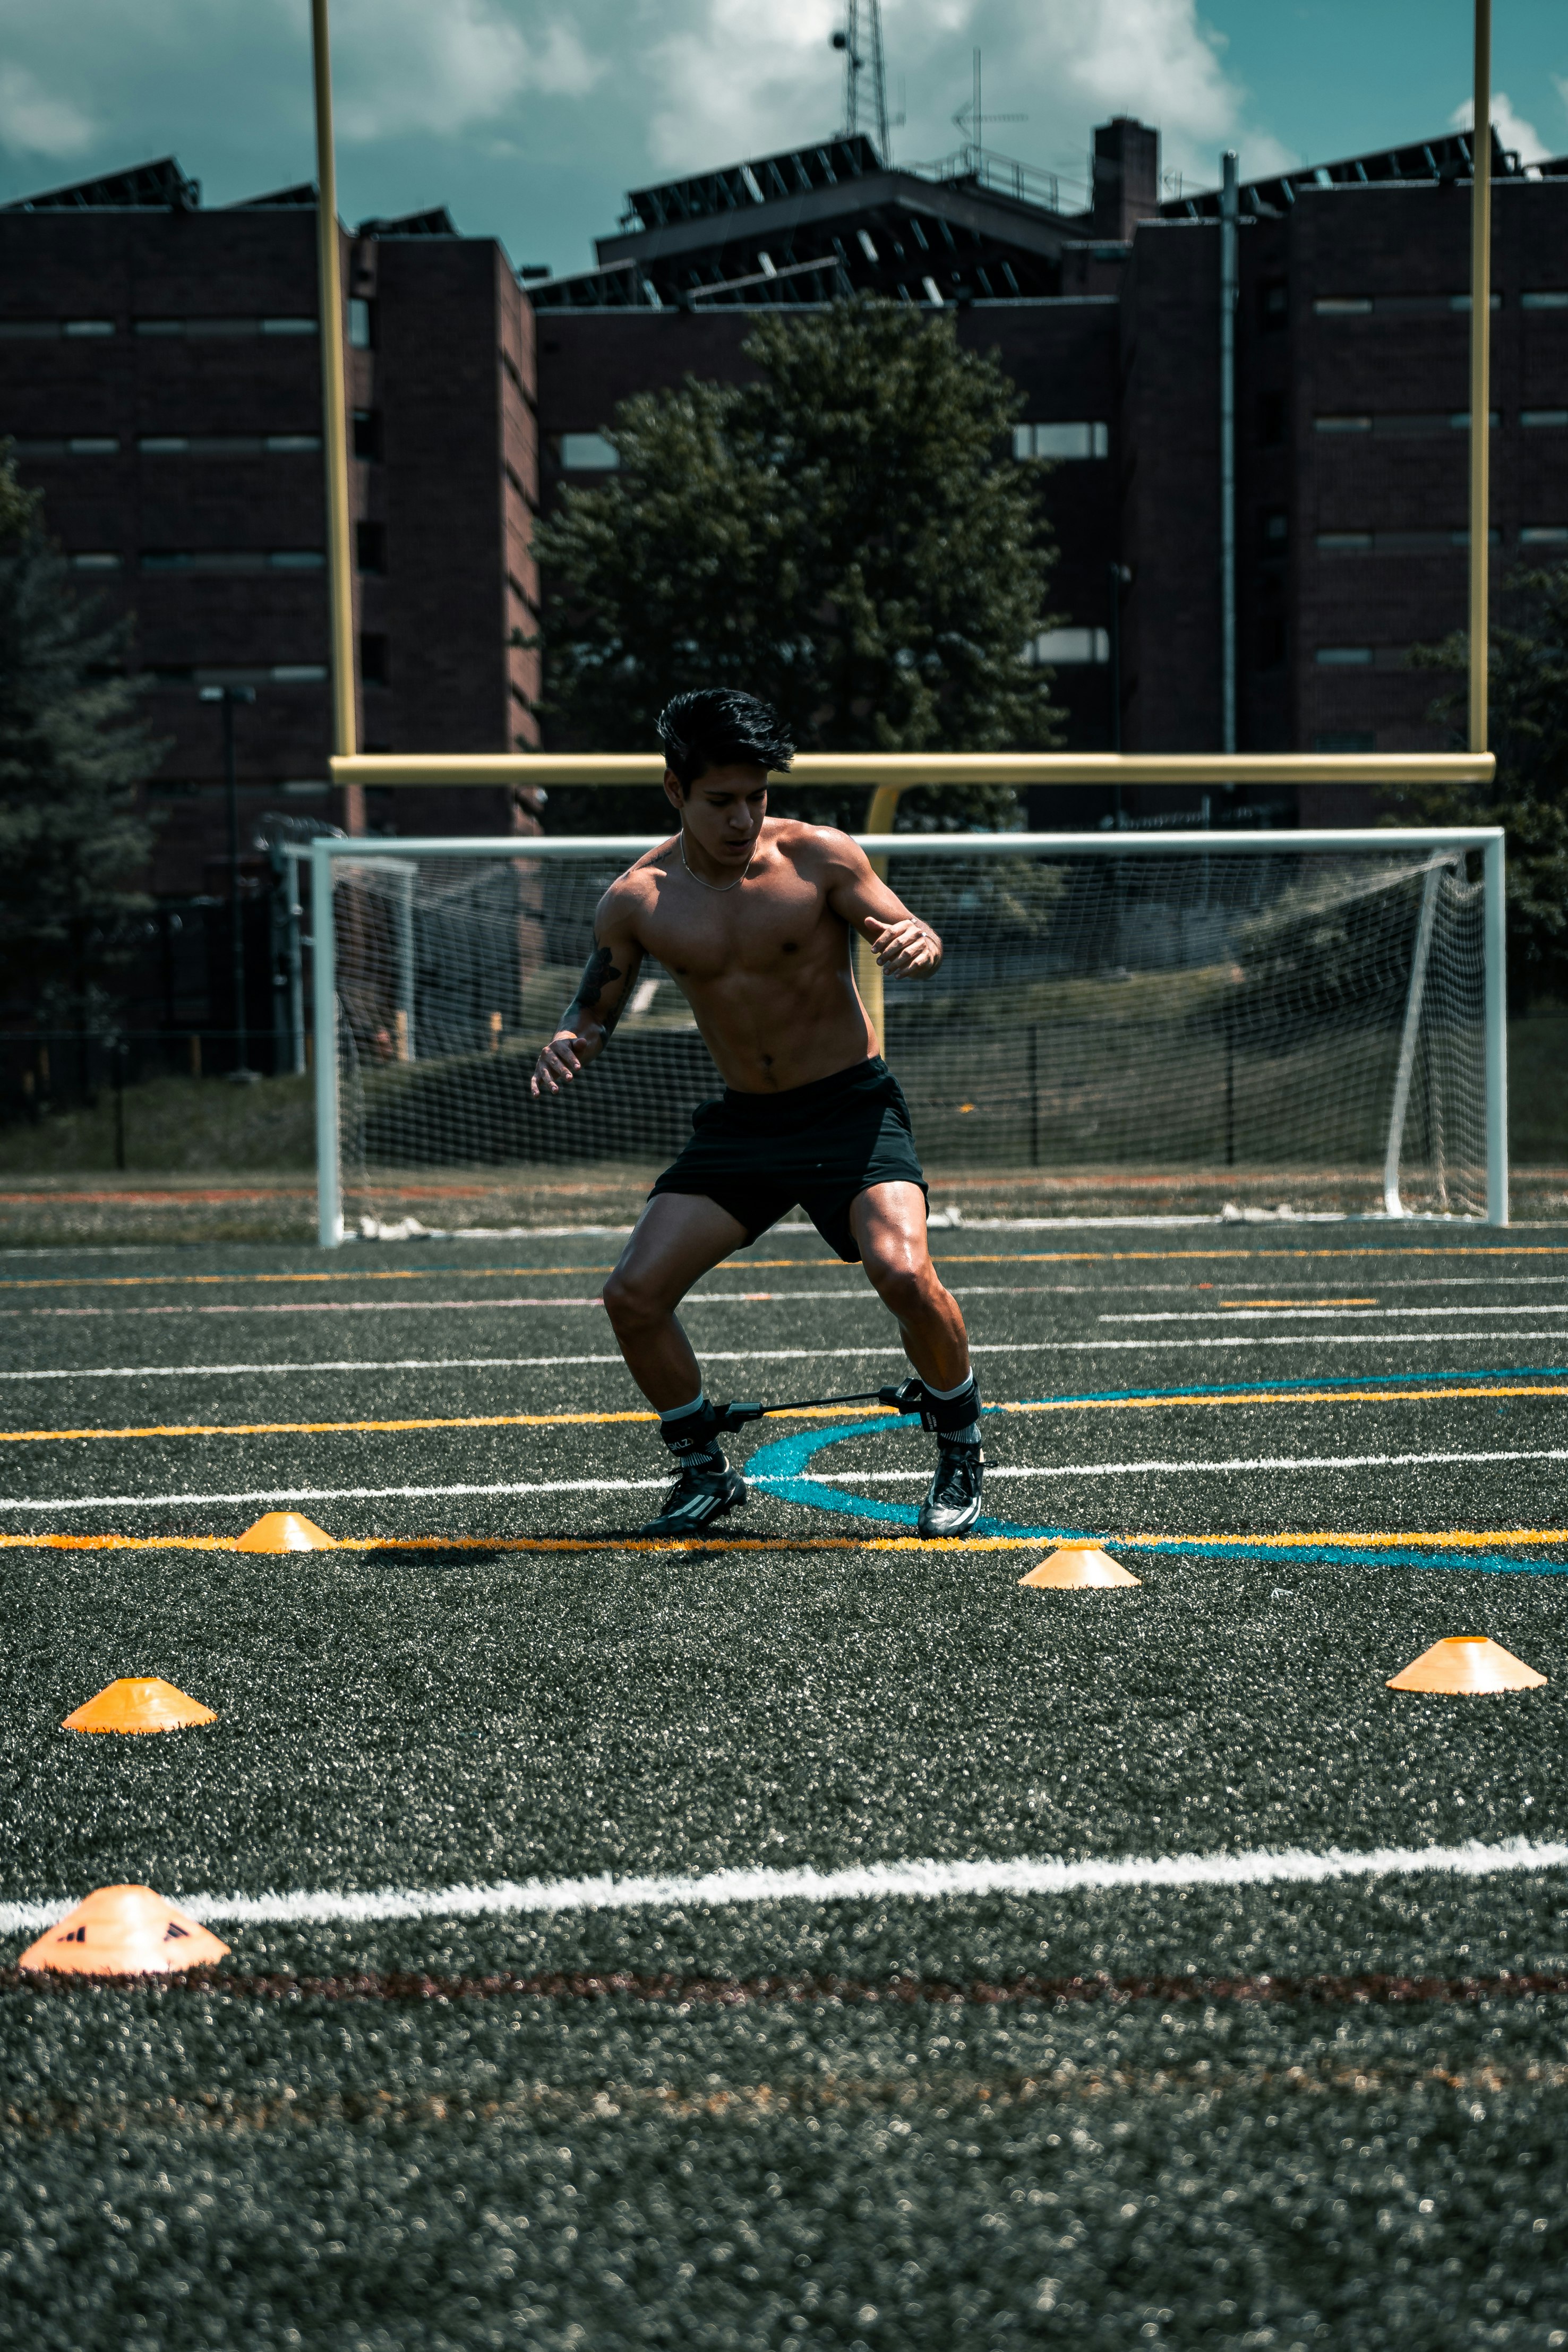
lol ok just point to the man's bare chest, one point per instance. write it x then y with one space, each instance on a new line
771 928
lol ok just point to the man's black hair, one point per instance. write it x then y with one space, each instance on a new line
716 727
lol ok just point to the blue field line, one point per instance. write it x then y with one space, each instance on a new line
782 1468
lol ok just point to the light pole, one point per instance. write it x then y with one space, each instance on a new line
227 696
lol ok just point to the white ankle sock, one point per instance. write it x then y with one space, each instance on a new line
679 1412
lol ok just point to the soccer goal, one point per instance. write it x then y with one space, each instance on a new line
1293 1004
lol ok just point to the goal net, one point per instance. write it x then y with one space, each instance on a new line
1293 1005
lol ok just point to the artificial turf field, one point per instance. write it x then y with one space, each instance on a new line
1154 2086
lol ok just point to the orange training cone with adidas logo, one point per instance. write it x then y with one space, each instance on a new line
286 1531
123 1931
1467 1665
1079 1567
138 1703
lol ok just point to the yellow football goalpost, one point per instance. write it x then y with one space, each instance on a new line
885 776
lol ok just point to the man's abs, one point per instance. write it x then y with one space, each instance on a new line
771 1031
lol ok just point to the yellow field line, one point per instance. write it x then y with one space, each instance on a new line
1464 1539
351 1428
802 1412
1282 1396
995 1257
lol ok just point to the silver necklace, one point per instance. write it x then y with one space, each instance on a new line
720 887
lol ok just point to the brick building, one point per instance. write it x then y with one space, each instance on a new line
159 371
1350 386
161 375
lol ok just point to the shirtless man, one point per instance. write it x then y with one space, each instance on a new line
751 916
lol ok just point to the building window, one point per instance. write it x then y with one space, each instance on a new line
1541 301
1403 423
1543 534
1275 522
588 453
368 435
1547 419
96 559
1345 742
371 546
361 323
1061 440
1069 647
232 559
18 330
1404 306
228 445
373 658
166 327
1344 656
1397 542
1273 304
81 446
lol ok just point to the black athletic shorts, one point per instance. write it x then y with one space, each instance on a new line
820 1145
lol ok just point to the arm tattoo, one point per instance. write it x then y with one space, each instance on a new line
600 968
598 973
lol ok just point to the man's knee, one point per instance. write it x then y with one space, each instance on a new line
635 1299
906 1289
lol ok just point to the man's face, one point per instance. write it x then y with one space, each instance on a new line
723 812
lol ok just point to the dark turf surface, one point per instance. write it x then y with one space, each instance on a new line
730 2127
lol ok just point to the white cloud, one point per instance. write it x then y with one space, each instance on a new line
729 80
401 65
1510 126
34 123
737 82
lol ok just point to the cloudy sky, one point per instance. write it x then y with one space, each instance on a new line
529 118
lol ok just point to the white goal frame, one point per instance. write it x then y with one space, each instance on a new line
325 852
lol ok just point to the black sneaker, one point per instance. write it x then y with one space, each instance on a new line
698 1499
952 1504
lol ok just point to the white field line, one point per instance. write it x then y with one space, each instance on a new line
942 1220
761 1355
289 1495
878 1882
847 1293
1326 1314
1241 1462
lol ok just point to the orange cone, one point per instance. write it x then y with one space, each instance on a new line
123 1931
138 1703
286 1531
1076 1567
1468 1663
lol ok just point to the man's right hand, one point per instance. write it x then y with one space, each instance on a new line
560 1062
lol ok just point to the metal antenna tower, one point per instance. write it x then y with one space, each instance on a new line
861 42
971 119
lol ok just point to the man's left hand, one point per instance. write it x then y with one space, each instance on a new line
904 946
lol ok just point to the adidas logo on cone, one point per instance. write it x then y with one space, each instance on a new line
123 1931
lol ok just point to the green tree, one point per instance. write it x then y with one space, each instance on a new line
848 536
1529 795
71 755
